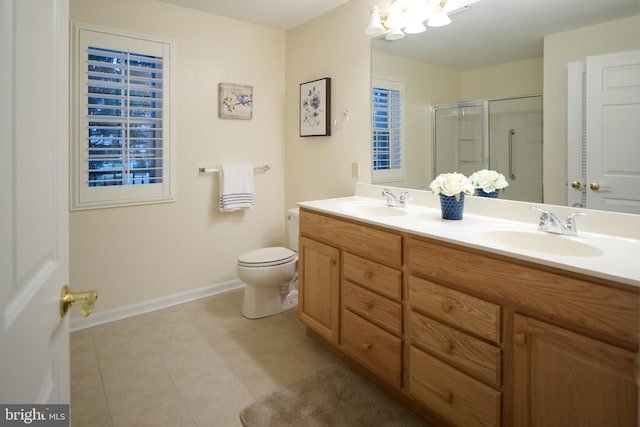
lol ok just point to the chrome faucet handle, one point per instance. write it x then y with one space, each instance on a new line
404 197
396 201
392 200
545 215
569 224
548 221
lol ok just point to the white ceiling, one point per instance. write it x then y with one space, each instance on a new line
492 32
282 14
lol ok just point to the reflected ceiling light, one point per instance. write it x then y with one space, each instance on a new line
439 18
410 16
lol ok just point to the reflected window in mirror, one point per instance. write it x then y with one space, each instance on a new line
388 145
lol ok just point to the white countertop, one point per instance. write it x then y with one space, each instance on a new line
612 256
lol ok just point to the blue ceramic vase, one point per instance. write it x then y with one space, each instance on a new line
451 208
494 194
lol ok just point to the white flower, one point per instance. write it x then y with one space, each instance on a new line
488 180
451 184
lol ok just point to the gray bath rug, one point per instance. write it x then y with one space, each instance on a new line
332 396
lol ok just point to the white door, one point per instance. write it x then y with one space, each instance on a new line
613 132
34 121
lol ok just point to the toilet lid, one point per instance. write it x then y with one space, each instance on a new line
266 257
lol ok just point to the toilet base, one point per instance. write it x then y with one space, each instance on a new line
261 301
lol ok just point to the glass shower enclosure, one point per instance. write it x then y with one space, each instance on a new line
501 134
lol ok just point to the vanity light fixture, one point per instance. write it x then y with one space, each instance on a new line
410 15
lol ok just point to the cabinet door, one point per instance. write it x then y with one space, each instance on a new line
319 288
565 379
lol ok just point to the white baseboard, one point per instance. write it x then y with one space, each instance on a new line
79 323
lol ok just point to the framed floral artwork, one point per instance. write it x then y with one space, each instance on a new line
315 108
235 101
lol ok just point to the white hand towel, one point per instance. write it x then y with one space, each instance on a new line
236 187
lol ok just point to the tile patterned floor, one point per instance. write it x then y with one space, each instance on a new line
195 364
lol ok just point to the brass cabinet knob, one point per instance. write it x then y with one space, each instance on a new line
446 346
69 299
447 396
576 184
594 186
520 339
446 306
365 345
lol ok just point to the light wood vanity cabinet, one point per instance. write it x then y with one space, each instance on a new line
472 337
563 348
368 306
562 378
454 354
371 326
319 298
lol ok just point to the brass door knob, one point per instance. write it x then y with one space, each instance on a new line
69 299
594 186
576 184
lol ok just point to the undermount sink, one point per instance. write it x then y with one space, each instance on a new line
372 209
539 241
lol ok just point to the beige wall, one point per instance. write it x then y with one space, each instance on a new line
560 48
333 45
138 253
503 81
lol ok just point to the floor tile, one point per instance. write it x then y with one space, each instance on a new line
194 364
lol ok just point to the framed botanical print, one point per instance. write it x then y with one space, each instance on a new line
315 108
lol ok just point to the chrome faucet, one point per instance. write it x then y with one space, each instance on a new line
551 224
396 201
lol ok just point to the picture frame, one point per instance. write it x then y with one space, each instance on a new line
315 108
235 101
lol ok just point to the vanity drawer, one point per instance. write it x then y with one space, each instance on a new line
475 357
458 309
377 277
379 310
375 348
366 240
609 311
455 396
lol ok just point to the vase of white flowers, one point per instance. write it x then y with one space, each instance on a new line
451 187
488 183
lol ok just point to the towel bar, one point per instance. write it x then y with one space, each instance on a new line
216 170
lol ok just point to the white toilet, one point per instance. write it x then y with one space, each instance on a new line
270 276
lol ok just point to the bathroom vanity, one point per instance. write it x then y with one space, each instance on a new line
468 332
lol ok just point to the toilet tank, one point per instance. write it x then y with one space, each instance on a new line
293 221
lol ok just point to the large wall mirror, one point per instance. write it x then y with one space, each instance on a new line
502 50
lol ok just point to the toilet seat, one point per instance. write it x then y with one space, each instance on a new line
266 257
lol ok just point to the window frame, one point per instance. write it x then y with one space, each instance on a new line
396 174
84 196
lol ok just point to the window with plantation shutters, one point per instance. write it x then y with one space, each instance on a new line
122 134
387 106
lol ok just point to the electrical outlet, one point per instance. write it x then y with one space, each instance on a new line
355 169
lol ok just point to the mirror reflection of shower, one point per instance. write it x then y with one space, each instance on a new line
503 134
